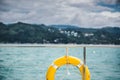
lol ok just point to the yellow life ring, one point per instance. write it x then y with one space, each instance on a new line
67 60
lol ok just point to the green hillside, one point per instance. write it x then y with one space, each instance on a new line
32 33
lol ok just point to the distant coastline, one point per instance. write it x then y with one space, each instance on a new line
59 45
23 33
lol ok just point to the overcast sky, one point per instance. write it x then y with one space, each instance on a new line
83 13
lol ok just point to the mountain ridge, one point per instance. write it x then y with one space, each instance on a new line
40 33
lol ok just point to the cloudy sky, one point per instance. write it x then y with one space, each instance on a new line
83 13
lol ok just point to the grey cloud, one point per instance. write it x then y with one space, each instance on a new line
80 12
93 8
118 1
11 5
4 6
93 5
109 2
94 19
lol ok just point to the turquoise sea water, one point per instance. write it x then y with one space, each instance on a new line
31 63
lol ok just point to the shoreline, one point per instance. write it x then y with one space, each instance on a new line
58 45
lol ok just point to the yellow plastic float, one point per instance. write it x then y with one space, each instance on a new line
67 60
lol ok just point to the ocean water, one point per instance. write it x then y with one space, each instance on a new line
31 63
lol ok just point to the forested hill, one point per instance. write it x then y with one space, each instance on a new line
32 33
